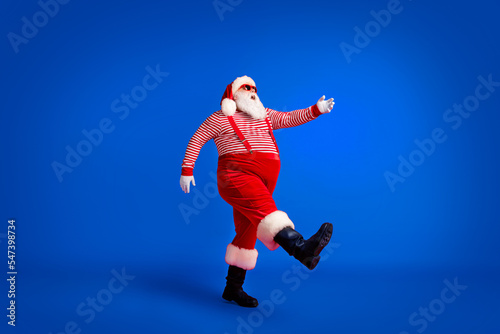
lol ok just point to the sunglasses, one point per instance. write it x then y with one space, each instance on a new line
248 87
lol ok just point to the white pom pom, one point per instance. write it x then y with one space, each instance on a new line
228 107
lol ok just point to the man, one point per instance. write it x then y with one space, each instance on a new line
247 172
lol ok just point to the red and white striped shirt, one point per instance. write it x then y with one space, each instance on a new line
256 132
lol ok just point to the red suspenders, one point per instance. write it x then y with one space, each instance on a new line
243 139
240 135
271 133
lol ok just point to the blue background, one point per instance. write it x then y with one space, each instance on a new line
120 207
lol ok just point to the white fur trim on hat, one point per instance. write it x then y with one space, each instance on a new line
241 257
270 226
240 81
228 107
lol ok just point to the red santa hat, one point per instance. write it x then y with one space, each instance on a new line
227 104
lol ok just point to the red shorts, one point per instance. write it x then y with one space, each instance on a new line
247 181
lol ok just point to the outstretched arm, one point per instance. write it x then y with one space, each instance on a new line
280 119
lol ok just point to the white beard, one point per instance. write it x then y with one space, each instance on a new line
250 103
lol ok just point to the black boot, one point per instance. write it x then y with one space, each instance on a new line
234 291
306 251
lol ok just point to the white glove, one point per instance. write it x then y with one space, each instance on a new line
325 106
185 183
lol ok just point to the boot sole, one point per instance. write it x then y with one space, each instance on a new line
230 298
325 238
311 262
242 305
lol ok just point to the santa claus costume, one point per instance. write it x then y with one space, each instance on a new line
247 172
